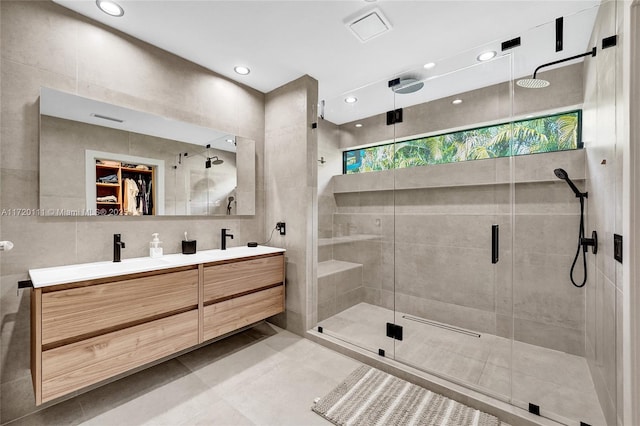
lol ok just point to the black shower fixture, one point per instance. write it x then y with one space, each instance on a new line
562 174
216 161
537 83
583 243
230 199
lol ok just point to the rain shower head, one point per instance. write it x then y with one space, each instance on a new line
562 174
538 83
532 83
407 85
216 161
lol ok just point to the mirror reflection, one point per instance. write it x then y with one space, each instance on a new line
102 159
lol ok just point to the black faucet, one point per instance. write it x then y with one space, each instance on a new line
117 245
223 239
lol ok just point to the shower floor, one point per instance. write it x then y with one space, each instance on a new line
558 382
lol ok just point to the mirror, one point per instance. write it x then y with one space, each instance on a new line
103 159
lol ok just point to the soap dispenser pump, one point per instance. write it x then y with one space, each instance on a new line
154 246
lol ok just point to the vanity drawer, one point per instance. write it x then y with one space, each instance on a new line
225 280
232 314
74 366
81 312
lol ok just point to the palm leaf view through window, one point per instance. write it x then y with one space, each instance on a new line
558 132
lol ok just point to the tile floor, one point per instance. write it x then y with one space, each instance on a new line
559 383
262 376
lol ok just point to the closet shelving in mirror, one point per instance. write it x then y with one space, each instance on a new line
124 189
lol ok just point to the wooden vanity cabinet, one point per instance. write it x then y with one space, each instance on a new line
237 294
87 332
73 313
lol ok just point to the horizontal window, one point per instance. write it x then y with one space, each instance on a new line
558 132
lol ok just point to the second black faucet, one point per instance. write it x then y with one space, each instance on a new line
118 244
223 239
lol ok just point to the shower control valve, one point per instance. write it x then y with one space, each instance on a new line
593 242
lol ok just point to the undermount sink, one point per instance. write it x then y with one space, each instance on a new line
99 269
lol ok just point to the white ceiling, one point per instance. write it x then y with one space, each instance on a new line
283 40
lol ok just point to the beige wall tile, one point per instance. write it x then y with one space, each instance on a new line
542 290
46 45
479 200
462 276
291 189
20 110
466 231
551 234
40 35
21 193
603 140
478 172
531 168
552 198
549 336
38 242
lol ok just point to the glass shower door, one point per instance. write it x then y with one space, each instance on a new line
565 349
446 238
452 207
355 217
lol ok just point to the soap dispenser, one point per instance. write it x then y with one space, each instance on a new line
154 246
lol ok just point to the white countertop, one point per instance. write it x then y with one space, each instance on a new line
44 277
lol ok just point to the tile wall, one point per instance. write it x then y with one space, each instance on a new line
44 44
603 136
425 247
291 191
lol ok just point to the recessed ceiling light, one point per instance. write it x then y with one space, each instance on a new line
457 101
110 8
429 65
242 70
359 125
351 99
485 56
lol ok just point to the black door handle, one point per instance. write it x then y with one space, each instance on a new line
494 243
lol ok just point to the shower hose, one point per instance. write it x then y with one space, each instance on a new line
584 256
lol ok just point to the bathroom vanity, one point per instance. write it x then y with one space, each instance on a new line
96 321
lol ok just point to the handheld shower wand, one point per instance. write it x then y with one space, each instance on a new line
229 205
583 242
562 174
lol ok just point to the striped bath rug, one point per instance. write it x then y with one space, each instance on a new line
371 397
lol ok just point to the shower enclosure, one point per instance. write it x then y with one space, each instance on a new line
445 239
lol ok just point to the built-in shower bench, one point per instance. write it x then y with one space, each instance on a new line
339 286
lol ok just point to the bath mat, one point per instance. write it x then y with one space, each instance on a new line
371 397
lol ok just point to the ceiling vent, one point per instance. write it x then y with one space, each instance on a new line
370 25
